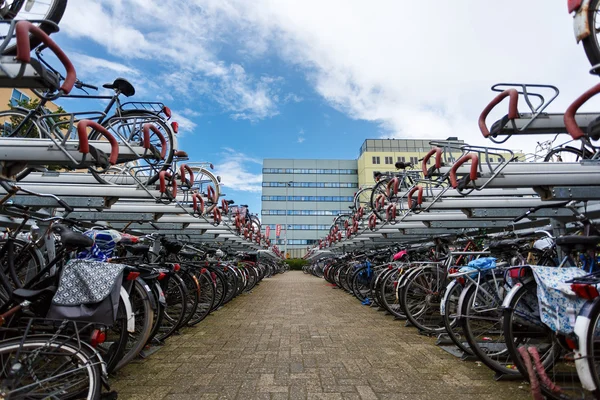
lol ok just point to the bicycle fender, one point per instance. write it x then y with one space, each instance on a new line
446 294
515 289
151 297
581 23
582 327
128 310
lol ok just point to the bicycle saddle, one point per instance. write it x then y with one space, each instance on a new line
72 239
172 246
505 244
122 85
578 242
138 249
29 294
188 254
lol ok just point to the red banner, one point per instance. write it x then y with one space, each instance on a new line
277 230
267 231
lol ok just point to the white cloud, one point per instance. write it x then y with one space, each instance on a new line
182 38
301 137
235 171
185 124
94 65
292 98
418 69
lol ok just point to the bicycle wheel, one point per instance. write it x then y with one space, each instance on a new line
523 327
44 367
421 299
361 282
206 299
565 154
28 261
51 10
379 191
590 316
389 294
362 198
144 315
193 295
450 312
591 44
175 296
482 323
129 129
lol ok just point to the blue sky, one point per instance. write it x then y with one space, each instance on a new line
258 79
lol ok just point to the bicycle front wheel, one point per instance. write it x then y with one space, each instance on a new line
47 368
591 44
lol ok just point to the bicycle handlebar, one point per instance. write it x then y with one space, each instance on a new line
513 111
22 31
534 209
569 118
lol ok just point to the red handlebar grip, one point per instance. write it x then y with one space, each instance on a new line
146 128
225 206
84 146
513 111
393 183
182 170
569 118
162 177
419 196
438 159
473 172
211 194
22 31
217 216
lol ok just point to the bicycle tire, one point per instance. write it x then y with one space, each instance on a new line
480 304
451 323
128 128
175 311
389 299
525 303
421 297
206 299
570 154
72 351
193 295
379 188
144 316
591 44
25 252
55 14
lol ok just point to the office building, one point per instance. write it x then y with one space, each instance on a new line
304 196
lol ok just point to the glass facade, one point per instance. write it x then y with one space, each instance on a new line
309 171
308 198
312 184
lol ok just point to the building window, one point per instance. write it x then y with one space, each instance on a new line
414 160
389 160
18 96
376 160
401 159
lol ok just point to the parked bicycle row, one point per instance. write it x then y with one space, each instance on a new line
494 251
112 239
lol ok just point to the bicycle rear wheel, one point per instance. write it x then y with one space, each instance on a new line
591 44
421 299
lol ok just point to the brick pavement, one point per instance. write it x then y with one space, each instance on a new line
294 337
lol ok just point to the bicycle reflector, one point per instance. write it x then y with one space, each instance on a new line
176 267
167 112
132 276
98 337
585 291
161 276
175 126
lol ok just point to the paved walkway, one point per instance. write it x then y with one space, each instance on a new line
295 337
